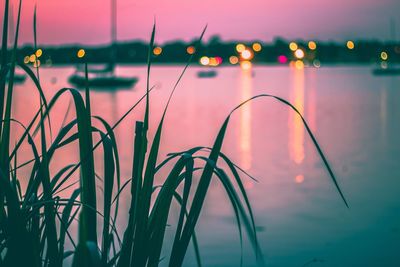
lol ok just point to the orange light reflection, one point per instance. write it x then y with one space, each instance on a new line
246 85
295 124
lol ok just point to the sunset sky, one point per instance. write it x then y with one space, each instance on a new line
88 21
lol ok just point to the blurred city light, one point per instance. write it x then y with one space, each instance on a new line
299 64
384 55
350 45
312 45
233 60
157 51
282 59
299 54
39 52
247 54
293 46
204 61
257 47
81 53
191 50
240 48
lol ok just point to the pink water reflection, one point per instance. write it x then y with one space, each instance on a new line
299 214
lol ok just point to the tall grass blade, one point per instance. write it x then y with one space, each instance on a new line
4 58
317 146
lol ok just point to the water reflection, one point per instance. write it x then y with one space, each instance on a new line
353 111
295 124
383 111
311 99
246 86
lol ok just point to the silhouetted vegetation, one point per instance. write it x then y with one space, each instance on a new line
36 219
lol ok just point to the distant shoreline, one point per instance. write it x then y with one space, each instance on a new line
361 52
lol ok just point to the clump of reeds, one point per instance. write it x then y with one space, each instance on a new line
35 221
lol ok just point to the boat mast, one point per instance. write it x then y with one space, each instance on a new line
11 26
392 30
113 34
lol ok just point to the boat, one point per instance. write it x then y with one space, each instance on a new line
386 71
102 81
386 68
18 78
207 73
104 78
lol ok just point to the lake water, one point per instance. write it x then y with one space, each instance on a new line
300 216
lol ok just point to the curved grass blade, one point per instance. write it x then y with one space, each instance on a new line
317 146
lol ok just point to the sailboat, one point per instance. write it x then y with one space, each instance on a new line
385 68
106 77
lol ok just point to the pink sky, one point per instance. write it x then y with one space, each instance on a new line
88 21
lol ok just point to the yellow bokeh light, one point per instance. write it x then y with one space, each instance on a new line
234 60
299 54
350 45
240 48
39 52
81 53
26 59
247 54
312 45
384 55
293 46
36 64
204 61
157 51
257 47
213 62
245 65
32 58
191 50
299 64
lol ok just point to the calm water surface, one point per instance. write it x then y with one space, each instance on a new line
300 216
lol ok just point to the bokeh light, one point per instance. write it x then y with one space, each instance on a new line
233 60
312 45
36 64
299 64
384 55
282 59
240 48
32 58
191 50
299 54
213 62
81 53
157 51
350 45
257 47
247 54
299 179
39 53
245 65
204 61
293 46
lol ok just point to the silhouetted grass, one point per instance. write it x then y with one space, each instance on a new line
35 221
